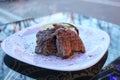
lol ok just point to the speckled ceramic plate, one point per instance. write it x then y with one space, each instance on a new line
21 46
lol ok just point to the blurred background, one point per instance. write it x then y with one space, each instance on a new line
103 14
12 10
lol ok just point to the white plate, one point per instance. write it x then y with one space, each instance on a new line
21 46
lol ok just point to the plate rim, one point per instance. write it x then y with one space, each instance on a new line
3 47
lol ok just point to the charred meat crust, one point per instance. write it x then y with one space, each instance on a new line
58 41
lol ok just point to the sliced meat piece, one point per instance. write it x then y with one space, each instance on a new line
50 46
76 42
59 41
46 42
63 43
